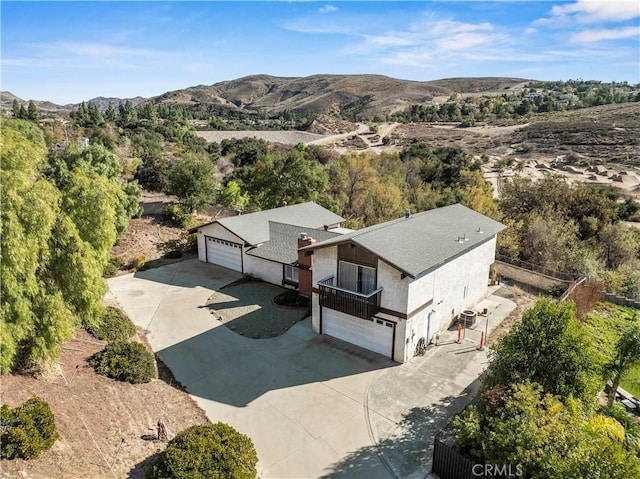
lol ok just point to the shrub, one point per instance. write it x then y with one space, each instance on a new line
173 254
114 325
178 215
136 263
117 261
28 430
212 450
109 271
123 361
192 242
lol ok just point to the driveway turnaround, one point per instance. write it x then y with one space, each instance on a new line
313 406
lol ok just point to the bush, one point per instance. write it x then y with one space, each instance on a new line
212 450
123 361
192 242
109 271
114 325
178 215
28 430
117 261
111 268
173 254
137 263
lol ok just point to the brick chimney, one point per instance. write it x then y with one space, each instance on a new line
305 264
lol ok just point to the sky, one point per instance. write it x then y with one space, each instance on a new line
67 52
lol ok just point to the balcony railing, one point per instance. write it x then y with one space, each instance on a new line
355 304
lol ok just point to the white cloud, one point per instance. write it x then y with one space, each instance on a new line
530 31
593 11
328 9
589 36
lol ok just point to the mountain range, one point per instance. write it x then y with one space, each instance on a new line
368 95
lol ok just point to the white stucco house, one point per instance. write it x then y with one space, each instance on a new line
382 288
386 286
265 244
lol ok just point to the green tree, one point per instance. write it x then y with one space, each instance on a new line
547 347
194 182
233 197
110 114
524 425
283 177
32 111
55 243
15 108
212 450
627 356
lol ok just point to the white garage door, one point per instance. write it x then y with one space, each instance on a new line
224 253
375 335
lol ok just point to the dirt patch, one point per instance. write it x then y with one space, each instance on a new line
107 428
523 299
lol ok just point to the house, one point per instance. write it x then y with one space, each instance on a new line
387 286
265 244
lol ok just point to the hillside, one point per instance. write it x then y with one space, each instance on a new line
367 95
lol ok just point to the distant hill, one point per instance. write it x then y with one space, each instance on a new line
343 94
368 95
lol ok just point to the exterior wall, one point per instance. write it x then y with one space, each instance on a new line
444 287
399 346
325 263
396 290
266 270
216 231
447 285
315 312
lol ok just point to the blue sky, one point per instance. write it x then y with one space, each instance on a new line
67 52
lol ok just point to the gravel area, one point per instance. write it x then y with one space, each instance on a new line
284 137
247 308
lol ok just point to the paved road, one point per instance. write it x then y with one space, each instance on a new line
313 406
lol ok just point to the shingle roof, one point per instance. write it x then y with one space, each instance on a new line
253 228
282 246
424 240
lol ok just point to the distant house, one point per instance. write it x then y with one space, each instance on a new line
387 286
265 244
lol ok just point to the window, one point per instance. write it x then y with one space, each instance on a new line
290 273
356 278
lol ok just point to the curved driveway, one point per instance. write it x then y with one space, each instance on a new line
313 406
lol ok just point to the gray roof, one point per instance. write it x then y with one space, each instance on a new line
253 228
282 246
424 240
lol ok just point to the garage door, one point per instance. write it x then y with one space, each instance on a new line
224 253
375 335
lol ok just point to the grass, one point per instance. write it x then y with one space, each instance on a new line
605 326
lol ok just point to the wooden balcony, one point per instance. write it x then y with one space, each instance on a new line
355 304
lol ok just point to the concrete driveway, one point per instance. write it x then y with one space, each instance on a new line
313 406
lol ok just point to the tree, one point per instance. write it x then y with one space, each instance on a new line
283 177
55 242
32 111
194 182
110 114
619 244
627 356
522 425
212 450
547 347
233 197
15 108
